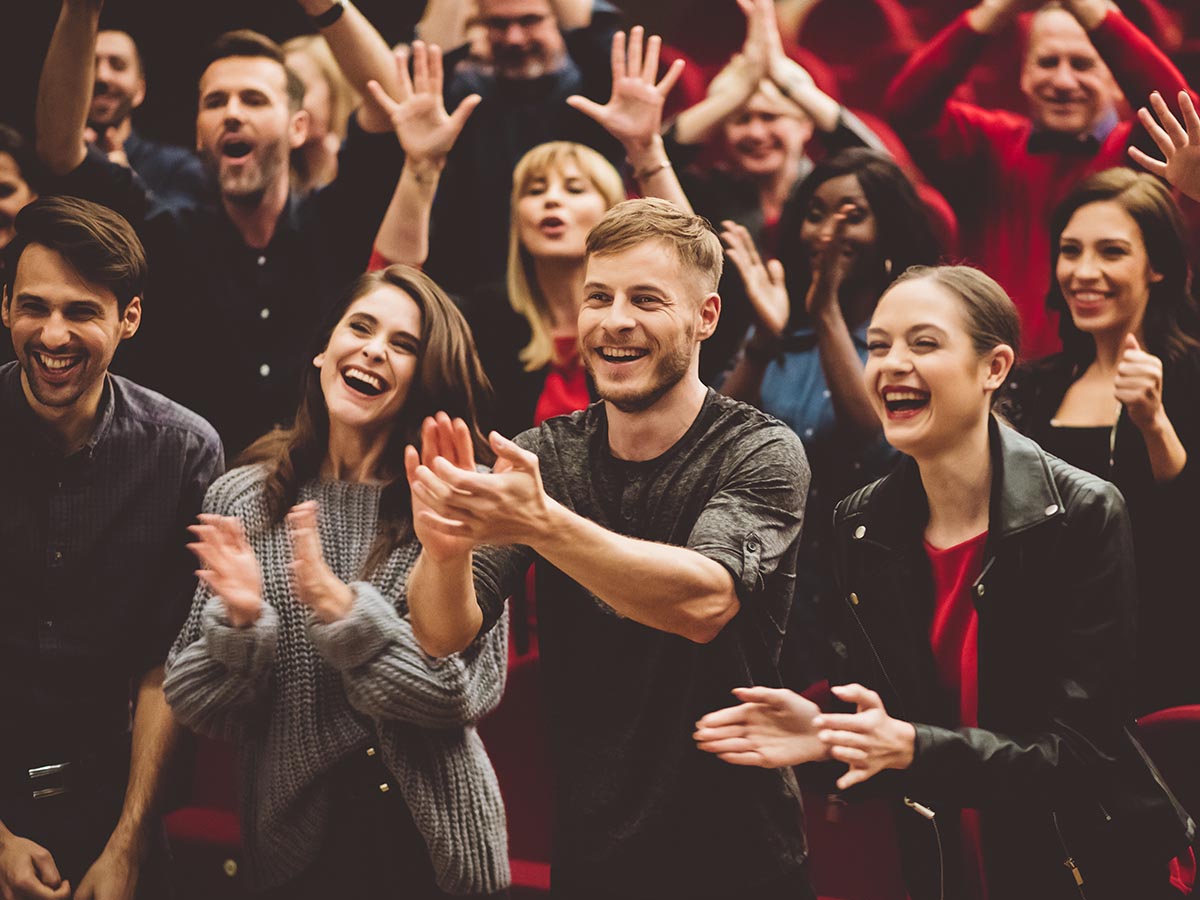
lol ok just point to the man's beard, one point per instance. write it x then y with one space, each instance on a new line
120 113
668 372
248 187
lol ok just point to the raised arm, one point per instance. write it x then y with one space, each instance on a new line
633 114
426 133
361 54
65 87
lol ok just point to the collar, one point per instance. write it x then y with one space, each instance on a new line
33 430
1024 494
1042 140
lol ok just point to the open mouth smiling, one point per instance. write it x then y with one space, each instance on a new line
56 365
363 382
902 402
236 149
621 355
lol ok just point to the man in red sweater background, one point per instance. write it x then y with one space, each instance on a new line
1004 173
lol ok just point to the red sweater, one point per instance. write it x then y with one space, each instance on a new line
979 158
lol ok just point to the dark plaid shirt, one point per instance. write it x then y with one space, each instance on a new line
95 580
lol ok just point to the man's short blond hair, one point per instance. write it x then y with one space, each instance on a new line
634 222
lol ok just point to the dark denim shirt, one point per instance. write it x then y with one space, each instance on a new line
95 577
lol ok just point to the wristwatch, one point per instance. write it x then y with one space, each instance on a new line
331 15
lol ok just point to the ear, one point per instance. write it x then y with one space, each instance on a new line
139 96
319 360
131 319
6 309
298 129
709 315
999 363
1155 276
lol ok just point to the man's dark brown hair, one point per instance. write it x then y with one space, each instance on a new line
245 42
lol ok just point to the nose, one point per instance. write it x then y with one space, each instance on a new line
55 333
375 347
514 33
103 71
620 315
1064 76
1087 267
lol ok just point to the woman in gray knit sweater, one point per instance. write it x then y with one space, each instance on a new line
361 770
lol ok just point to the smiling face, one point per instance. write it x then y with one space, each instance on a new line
523 37
368 366
929 385
1067 84
763 140
817 228
245 127
557 210
643 317
120 87
1104 271
65 330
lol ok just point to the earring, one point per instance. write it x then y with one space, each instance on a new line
887 266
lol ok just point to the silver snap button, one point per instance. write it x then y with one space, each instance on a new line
264 313
370 751
1051 509
853 599
860 532
979 590
262 260
384 788
264 370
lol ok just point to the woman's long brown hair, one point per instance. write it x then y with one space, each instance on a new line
449 377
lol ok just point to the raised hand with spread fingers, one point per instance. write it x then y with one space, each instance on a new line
1180 145
765 284
229 567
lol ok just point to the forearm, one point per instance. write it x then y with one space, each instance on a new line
1167 454
654 174
1138 66
442 605
445 23
572 14
917 95
844 374
363 56
798 87
745 381
672 589
154 735
65 87
696 124
404 233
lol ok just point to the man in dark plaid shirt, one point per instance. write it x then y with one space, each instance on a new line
99 479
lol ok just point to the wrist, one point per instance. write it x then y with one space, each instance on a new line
908 744
645 153
424 170
549 525
1090 13
989 18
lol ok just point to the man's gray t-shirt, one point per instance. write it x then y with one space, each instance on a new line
640 812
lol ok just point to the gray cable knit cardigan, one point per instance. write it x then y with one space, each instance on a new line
298 696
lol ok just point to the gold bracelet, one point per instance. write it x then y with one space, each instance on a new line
651 170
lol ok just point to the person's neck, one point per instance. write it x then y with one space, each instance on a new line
354 456
649 433
775 188
319 160
121 131
561 283
958 486
70 426
256 219
1110 346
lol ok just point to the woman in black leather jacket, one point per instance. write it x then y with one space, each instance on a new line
989 600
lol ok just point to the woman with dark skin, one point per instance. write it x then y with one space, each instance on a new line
987 597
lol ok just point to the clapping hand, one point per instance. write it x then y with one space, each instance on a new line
764 281
229 567
772 728
317 587
832 266
418 114
450 441
1138 385
633 114
1180 147
868 740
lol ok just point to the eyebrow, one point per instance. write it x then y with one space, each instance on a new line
920 326
375 322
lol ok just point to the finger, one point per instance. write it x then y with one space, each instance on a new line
443 525
460 482
458 118
1161 139
302 581
721 733
506 449
46 869
768 696
404 86
429 445
589 108
1170 124
412 459
650 63
381 98
420 67
847 754
732 745
1131 343
853 777
1190 117
464 447
743 759
1149 163
747 7
633 65
860 696
433 489
618 56
435 70
844 739
446 442
776 273
832 722
730 715
672 76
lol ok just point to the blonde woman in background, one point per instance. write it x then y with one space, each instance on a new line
329 100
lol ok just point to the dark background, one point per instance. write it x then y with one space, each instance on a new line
172 35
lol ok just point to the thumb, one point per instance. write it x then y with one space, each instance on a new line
507 451
860 696
1131 343
463 112
589 108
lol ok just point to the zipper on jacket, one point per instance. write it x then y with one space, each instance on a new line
931 817
1069 861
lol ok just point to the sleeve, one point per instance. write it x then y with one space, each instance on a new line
216 674
204 462
752 523
1095 618
351 208
851 131
103 181
1138 66
500 571
387 676
918 101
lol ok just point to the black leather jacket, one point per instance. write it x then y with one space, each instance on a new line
1053 767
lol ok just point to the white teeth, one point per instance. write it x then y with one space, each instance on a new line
52 362
367 377
1089 296
622 352
905 395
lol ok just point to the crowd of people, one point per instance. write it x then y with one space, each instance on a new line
800 442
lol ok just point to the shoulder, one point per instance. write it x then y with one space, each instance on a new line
237 491
161 419
1087 499
750 430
